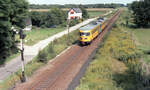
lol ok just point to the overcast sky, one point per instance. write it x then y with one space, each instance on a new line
78 1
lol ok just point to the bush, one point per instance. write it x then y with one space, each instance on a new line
42 56
47 19
50 50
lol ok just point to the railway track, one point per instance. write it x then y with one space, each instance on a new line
62 73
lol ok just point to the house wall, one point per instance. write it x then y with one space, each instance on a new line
78 15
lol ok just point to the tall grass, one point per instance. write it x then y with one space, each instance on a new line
117 64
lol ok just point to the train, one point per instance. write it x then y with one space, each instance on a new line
90 31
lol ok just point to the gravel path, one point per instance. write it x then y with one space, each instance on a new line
31 51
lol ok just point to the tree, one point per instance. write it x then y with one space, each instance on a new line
59 14
84 12
19 11
12 12
47 19
36 18
141 12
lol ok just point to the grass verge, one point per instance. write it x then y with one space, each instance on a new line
117 64
107 71
96 13
36 35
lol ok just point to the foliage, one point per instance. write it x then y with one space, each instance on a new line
48 19
42 56
58 45
107 72
96 13
11 13
18 12
84 12
141 12
112 5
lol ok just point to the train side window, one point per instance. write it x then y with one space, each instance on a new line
84 34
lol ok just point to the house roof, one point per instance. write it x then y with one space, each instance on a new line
77 10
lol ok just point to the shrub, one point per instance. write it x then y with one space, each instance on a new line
42 56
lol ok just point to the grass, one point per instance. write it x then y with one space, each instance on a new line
106 72
96 13
12 57
142 38
9 58
36 35
67 9
115 66
53 49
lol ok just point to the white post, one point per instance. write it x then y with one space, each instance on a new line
23 79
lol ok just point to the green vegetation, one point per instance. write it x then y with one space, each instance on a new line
10 16
118 64
10 58
141 12
111 5
139 35
48 19
34 36
53 49
96 13
84 12
106 72
142 38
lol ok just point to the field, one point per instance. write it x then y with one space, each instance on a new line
66 9
142 37
96 13
34 36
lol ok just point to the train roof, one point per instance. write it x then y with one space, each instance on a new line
90 26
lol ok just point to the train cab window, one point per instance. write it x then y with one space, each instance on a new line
84 34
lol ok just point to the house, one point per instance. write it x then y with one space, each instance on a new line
28 23
75 13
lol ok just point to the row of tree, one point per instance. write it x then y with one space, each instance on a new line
54 17
141 12
12 12
44 6
48 19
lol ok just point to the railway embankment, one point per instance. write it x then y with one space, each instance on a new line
119 64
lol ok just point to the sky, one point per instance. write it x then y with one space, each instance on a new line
78 1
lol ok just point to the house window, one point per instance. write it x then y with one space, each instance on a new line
72 12
72 17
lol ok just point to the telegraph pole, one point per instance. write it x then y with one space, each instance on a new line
22 36
68 22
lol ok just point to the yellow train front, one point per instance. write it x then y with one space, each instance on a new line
89 32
